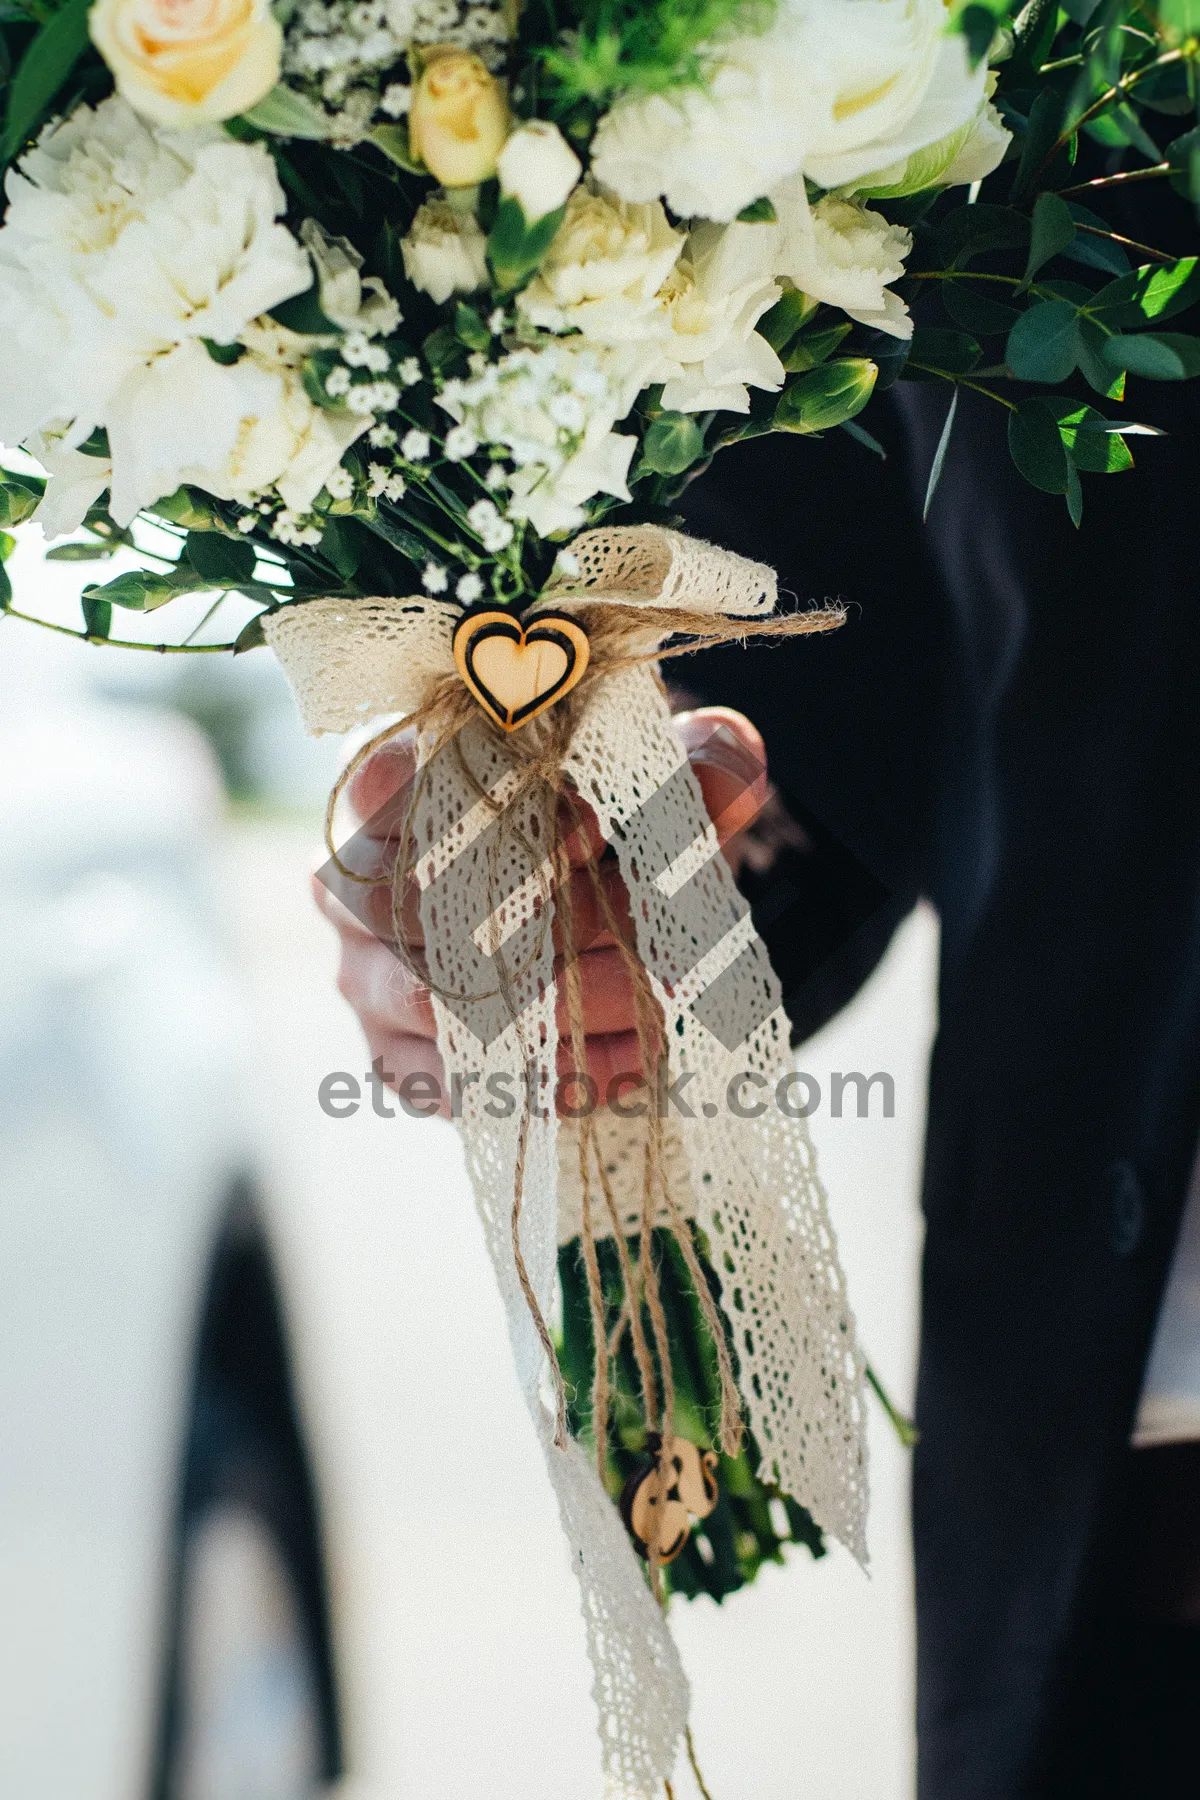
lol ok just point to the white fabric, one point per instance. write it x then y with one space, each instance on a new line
1170 1405
750 1183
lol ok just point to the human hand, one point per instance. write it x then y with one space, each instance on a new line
394 1008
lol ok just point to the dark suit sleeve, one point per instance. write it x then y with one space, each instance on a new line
855 720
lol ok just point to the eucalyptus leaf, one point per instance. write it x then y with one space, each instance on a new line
1052 231
1156 355
1036 446
1043 345
1094 449
939 457
976 312
954 351
218 560
1154 292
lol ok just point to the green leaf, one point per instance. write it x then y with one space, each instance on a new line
186 507
862 436
978 26
97 614
285 113
251 636
1036 446
789 314
1083 431
759 212
952 351
1074 493
470 329
17 501
1052 230
1045 123
1094 252
673 444
939 457
8 544
1156 355
1096 372
1043 345
1183 154
84 552
139 590
226 354
825 397
339 548
220 561
976 312
44 67
302 313
516 248
393 141
442 350
971 230
1154 292
815 347
96 444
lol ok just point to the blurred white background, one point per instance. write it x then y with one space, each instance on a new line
167 975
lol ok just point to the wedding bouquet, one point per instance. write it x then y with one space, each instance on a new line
402 323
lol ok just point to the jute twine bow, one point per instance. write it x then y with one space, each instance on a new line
624 632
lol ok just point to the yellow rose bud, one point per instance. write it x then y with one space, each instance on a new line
189 62
458 120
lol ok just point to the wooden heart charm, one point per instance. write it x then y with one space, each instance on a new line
516 671
661 1500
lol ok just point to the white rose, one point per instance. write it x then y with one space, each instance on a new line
538 168
120 244
712 303
235 430
841 252
603 271
445 251
905 154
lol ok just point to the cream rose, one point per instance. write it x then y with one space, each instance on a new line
445 251
844 254
458 119
189 62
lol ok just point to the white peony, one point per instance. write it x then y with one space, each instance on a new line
76 483
121 247
603 272
712 302
551 412
841 252
445 251
833 88
234 430
538 168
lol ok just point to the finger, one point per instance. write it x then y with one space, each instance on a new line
399 1057
730 761
613 1064
605 992
599 903
378 791
381 990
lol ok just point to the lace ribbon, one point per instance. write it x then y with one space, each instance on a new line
749 1183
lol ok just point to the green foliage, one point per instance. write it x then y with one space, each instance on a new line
753 1522
640 46
18 498
288 114
43 68
672 444
516 248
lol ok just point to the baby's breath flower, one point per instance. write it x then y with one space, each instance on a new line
396 488
414 445
567 563
337 382
494 533
409 371
496 476
340 483
461 443
497 320
377 479
435 579
469 589
293 528
247 524
395 100
361 353
381 437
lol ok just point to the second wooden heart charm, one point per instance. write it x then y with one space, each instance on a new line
516 671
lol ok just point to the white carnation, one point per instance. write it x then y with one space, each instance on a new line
604 269
841 252
122 248
712 302
553 409
445 251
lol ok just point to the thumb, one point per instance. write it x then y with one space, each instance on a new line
730 762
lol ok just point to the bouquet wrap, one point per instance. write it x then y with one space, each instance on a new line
750 1184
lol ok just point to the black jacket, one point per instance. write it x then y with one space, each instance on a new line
1008 723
